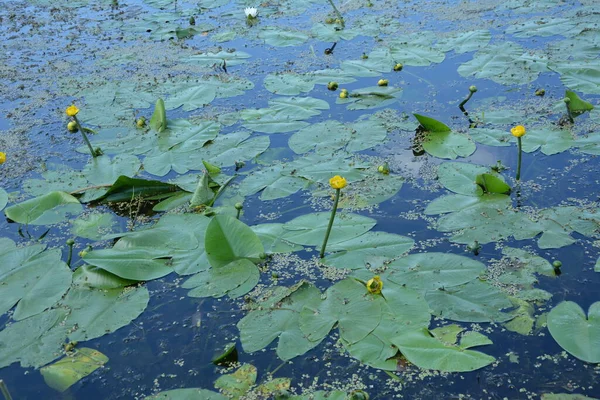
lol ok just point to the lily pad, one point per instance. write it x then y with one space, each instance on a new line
370 249
34 284
309 230
234 279
228 239
576 333
63 373
280 320
47 209
426 351
95 313
347 304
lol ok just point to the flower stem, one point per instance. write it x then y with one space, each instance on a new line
519 158
339 14
85 138
4 390
333 211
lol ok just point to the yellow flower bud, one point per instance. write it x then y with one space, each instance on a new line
2 157
383 82
72 126
337 182
375 285
343 94
72 110
518 131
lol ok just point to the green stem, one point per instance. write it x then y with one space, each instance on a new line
519 159
4 390
70 256
339 14
239 210
333 211
462 103
570 114
85 138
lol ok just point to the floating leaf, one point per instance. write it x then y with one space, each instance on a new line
460 177
126 189
35 284
63 373
228 239
94 277
234 279
158 122
3 199
276 36
141 264
433 271
94 313
431 125
309 230
47 209
370 249
492 184
93 226
34 341
426 351
238 383
576 333
271 237
475 301
577 105
259 328
448 145
187 394
347 303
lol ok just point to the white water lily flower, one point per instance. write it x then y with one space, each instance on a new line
251 12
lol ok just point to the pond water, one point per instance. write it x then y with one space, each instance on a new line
204 114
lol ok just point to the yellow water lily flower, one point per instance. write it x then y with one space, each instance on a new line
337 182
518 131
2 157
375 285
72 110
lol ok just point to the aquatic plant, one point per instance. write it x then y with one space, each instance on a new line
337 183
518 132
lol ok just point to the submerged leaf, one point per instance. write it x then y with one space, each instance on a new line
72 368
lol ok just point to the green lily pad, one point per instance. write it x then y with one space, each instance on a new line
93 226
234 279
95 313
574 332
47 209
426 351
63 373
141 264
309 230
227 239
259 328
278 37
187 394
347 303
94 277
577 105
34 284
34 341
370 249
461 178
3 199
271 237
238 383
433 271
448 145
475 301
288 83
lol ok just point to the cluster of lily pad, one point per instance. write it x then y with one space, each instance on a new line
382 310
